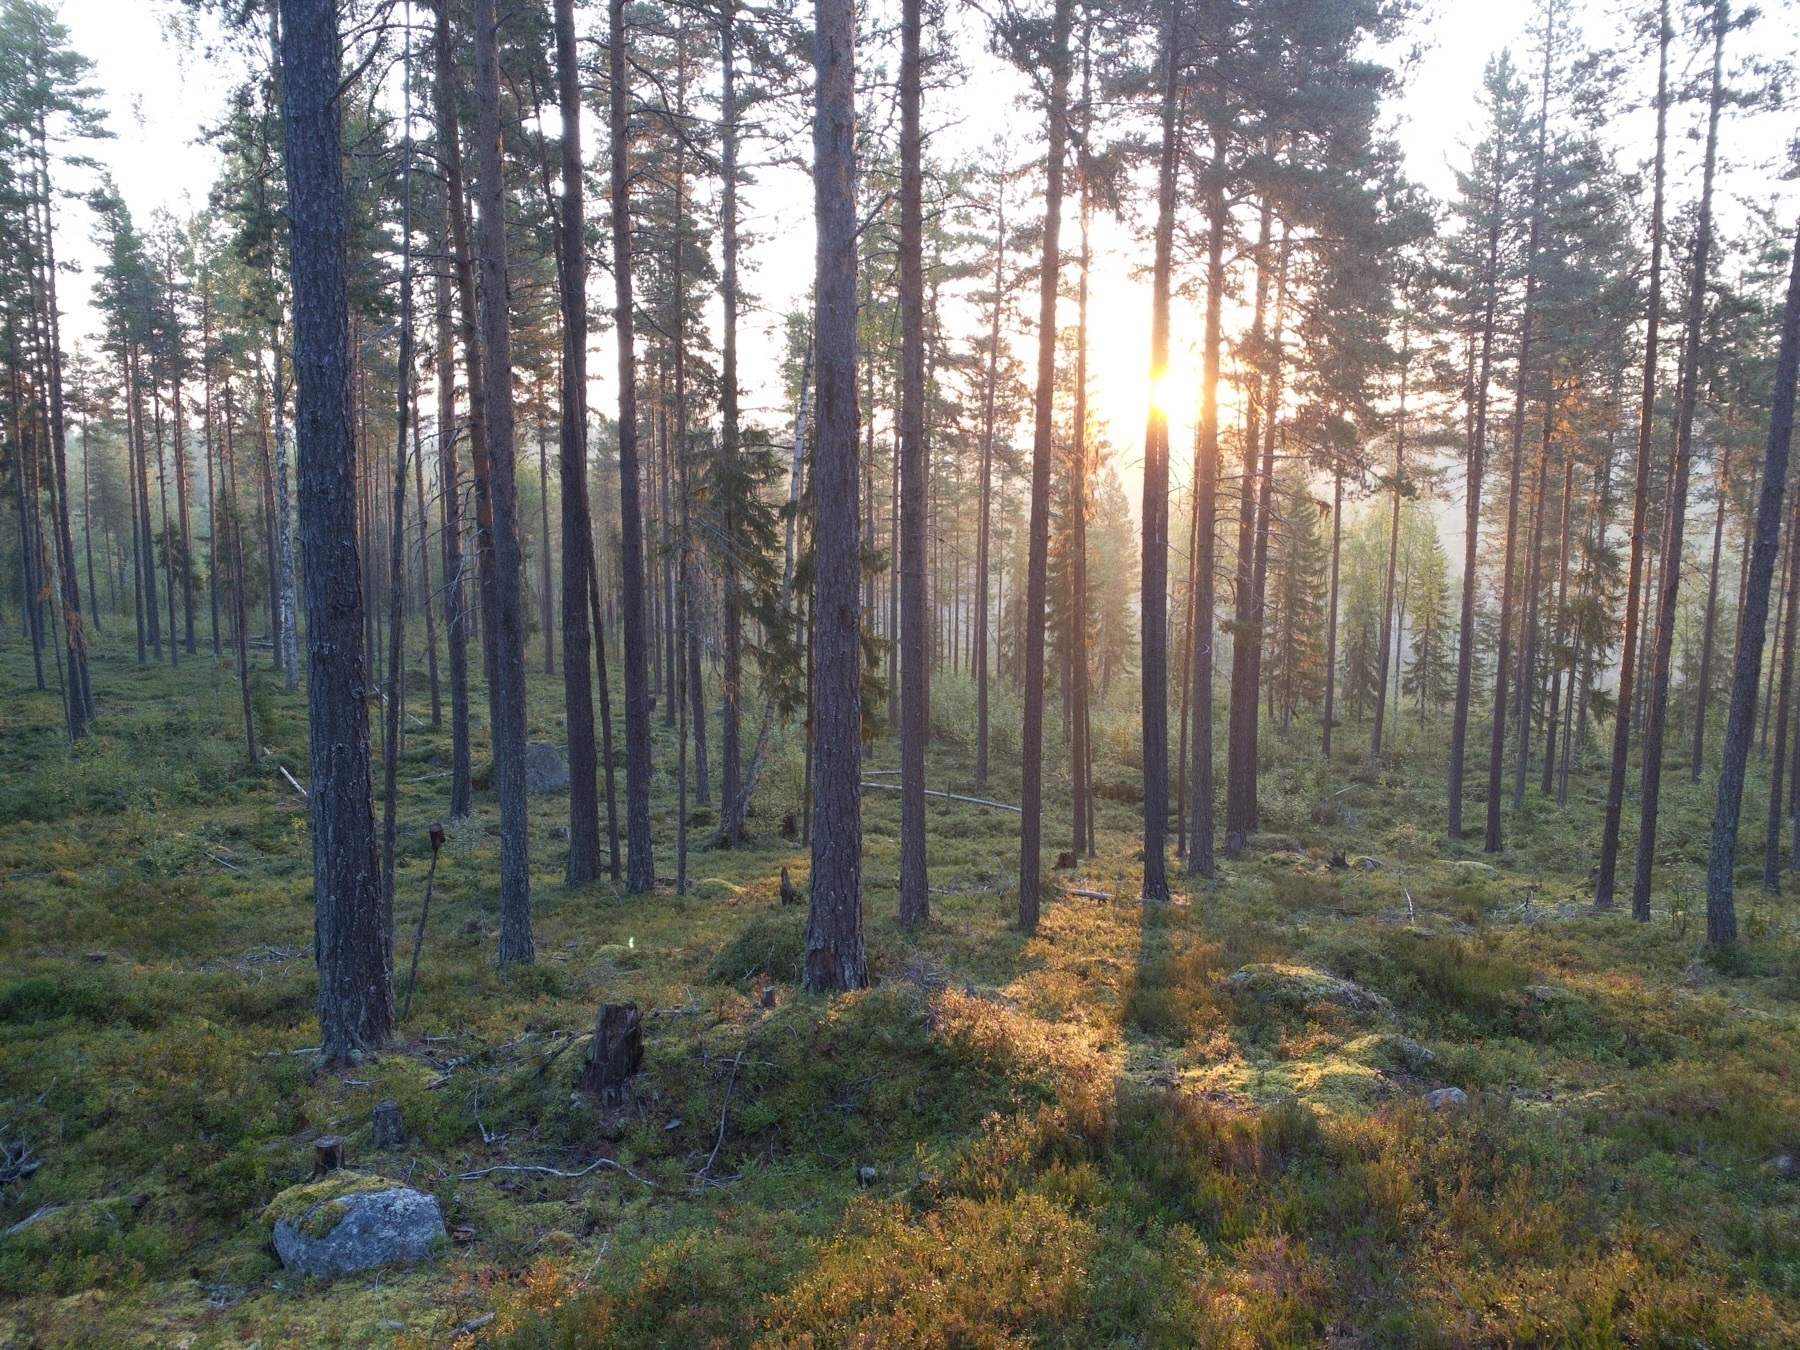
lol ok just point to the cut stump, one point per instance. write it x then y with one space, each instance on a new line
615 1053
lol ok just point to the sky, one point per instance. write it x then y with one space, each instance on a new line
161 91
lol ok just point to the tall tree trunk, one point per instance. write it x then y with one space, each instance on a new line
1206 478
1154 588
353 927
240 619
1656 712
285 620
455 593
915 689
834 940
1557 621
1497 743
1388 646
1331 605
1240 777
583 863
1721 912
1784 625
1528 647
425 586
732 639
506 700
1625 706
1081 838
1259 577
640 864
984 518
1477 465
395 702
1043 451
81 701
1707 627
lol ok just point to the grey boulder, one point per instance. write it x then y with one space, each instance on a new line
544 769
360 1230
1447 1099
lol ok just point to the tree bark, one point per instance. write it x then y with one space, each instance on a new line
1031 779
1154 587
1707 626
640 870
353 927
915 688
1721 912
506 699
834 941
1674 527
583 863
1771 878
1477 465
1497 743
1625 706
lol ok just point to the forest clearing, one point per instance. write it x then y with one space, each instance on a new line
1091 1136
1049 673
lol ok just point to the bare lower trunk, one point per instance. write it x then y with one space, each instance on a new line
835 958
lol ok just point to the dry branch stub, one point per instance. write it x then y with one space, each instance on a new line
615 1053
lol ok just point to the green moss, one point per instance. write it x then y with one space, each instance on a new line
317 1207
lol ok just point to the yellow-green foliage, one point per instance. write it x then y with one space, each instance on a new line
1089 1137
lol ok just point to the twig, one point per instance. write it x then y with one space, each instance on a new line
551 1057
949 796
228 866
723 1107
437 836
293 782
557 1172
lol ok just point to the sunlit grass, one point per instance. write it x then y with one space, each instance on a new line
1091 1136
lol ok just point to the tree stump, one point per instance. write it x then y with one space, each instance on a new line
328 1154
615 1053
388 1130
790 894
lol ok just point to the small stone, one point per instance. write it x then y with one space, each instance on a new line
359 1230
544 769
96 958
865 1176
1447 1099
387 1129
768 996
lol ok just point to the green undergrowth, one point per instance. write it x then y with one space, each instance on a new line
1201 1123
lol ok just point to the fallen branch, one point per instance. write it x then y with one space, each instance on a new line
723 1107
293 782
558 1172
472 1325
948 796
1087 895
228 866
41 1212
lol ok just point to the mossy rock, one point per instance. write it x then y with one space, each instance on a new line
317 1207
1298 986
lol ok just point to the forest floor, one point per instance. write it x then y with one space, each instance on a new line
1093 1136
